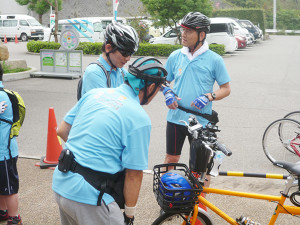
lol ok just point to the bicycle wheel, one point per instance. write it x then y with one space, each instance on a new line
293 115
178 219
281 139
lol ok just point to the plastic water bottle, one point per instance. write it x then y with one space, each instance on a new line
218 159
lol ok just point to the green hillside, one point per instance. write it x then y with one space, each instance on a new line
266 4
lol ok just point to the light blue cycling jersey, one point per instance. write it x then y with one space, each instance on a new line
5 129
192 79
110 131
94 76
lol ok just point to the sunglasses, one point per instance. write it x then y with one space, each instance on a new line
125 53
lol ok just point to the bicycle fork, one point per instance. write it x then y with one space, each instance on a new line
217 210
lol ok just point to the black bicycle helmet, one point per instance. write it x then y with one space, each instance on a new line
143 72
123 36
196 21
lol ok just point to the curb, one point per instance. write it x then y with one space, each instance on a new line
18 76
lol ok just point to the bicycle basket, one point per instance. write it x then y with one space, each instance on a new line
175 200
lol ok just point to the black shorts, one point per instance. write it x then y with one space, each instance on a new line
176 135
9 178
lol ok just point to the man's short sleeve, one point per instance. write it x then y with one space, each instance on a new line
94 77
221 73
169 69
70 116
135 154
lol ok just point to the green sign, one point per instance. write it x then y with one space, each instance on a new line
47 59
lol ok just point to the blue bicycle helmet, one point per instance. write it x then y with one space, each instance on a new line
176 180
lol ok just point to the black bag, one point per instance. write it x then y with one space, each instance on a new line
112 184
199 156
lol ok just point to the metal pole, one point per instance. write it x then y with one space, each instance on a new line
274 14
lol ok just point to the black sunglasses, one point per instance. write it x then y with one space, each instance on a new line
125 53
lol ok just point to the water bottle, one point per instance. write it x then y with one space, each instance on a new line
218 159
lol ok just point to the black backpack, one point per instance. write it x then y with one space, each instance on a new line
107 74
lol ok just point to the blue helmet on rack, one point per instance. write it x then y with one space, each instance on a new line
175 181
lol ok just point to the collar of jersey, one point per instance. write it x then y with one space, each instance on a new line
1 85
201 50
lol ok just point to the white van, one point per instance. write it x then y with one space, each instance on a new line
24 26
107 20
90 29
237 28
222 32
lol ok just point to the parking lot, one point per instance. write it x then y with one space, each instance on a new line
265 87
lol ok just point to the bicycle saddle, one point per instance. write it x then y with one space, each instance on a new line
293 168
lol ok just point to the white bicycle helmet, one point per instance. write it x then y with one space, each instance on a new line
123 36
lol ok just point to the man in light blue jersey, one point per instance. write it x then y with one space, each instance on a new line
121 42
194 70
107 135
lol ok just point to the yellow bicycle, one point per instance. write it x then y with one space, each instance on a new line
180 206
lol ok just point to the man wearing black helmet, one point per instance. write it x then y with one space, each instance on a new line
107 135
195 69
120 43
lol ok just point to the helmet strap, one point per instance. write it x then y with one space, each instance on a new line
198 42
107 56
146 97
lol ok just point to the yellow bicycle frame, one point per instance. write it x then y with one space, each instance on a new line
285 209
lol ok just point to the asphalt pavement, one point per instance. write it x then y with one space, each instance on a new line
265 87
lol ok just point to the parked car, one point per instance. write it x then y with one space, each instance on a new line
23 26
238 29
261 34
221 32
250 27
241 41
90 29
169 37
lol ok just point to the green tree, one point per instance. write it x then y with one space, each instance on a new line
170 12
247 3
140 27
38 6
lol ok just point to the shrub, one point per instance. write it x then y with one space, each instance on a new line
36 46
219 49
145 49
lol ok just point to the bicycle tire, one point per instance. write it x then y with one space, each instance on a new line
276 140
293 115
176 219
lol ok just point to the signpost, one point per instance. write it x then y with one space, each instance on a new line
65 62
52 21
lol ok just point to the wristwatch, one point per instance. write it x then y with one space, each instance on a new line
213 95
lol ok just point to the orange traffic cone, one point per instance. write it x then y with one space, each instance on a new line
54 146
5 39
16 40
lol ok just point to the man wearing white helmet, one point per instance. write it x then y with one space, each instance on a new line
107 135
120 43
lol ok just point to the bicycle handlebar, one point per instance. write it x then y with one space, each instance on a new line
207 135
223 149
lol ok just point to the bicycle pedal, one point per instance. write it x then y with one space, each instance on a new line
246 221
